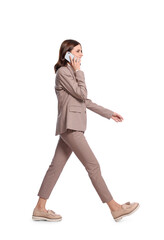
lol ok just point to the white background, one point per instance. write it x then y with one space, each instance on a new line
123 61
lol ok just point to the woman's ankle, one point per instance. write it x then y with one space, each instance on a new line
113 205
41 204
40 208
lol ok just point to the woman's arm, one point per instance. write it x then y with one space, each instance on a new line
76 89
104 112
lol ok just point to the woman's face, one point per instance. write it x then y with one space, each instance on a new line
77 51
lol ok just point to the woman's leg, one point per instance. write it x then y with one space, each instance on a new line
61 155
79 145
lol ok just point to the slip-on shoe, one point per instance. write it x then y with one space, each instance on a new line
50 215
126 209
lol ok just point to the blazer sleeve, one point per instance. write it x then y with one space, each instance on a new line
76 88
104 112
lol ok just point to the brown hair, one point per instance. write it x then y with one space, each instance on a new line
66 45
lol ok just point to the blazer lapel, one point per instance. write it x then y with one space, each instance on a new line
71 69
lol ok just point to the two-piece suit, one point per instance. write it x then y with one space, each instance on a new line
71 124
72 93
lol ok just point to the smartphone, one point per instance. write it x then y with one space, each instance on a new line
67 56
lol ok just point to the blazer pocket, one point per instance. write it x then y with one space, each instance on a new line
74 108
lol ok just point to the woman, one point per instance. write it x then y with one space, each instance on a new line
72 98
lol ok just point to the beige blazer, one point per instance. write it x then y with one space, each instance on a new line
71 91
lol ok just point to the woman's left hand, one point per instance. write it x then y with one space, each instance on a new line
117 117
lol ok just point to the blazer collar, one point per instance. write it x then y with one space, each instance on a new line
70 68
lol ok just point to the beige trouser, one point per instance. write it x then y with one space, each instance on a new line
75 141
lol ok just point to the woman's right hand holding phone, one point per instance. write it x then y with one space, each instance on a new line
75 63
